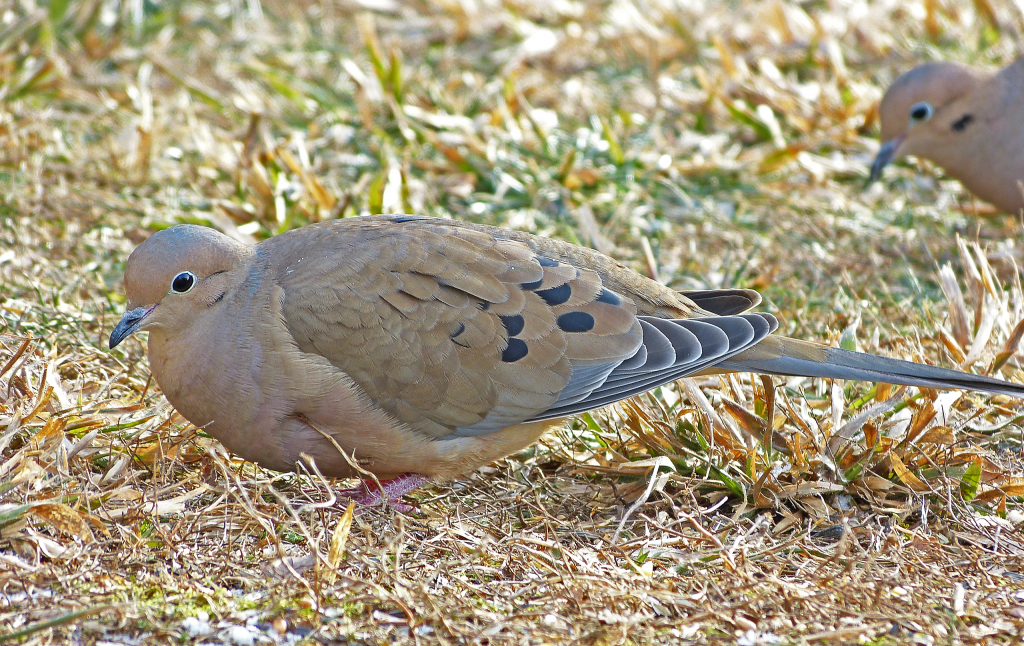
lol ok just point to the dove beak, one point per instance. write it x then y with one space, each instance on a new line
129 324
885 155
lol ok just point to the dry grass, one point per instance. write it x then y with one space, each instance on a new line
708 145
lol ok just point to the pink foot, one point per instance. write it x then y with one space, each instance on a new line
368 495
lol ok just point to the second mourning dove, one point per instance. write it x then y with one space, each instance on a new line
428 347
968 121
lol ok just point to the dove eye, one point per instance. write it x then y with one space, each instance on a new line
921 112
183 282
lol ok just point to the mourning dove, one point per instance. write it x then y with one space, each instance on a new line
968 121
427 348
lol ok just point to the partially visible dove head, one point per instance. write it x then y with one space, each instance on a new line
173 275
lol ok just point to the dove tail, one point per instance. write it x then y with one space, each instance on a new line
790 357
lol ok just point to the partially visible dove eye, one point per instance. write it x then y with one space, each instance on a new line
921 112
183 282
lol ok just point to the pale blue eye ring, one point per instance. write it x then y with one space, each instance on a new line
921 112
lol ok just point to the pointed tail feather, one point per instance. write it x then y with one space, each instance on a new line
784 356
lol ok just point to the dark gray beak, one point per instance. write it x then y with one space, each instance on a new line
885 155
128 324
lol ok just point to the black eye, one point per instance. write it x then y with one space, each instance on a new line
961 124
183 282
921 112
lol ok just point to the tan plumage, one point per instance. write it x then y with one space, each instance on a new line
430 346
969 122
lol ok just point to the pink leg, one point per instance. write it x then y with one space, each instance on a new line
368 495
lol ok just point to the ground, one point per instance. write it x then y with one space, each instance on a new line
705 144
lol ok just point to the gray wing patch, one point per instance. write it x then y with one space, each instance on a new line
713 341
583 382
773 323
667 344
628 383
695 344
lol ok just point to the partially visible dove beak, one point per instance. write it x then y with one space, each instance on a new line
129 324
885 155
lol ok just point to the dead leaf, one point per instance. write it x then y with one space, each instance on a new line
905 475
942 435
874 483
63 518
1012 487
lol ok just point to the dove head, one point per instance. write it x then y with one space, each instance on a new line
175 275
918 115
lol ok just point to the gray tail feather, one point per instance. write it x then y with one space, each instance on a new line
857 366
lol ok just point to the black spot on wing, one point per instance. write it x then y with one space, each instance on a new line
406 218
459 330
556 295
609 297
546 262
961 124
576 322
513 324
531 286
483 306
515 351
